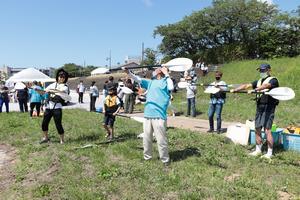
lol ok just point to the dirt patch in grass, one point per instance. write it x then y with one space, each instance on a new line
284 195
232 177
7 161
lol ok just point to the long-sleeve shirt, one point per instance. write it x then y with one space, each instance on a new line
35 97
157 97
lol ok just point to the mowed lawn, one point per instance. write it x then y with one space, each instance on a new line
203 166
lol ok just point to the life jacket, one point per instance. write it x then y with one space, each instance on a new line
264 98
110 104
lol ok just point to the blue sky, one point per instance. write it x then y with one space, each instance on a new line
50 33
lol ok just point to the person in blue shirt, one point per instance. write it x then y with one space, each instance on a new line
155 111
35 98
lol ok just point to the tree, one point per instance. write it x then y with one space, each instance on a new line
229 30
150 57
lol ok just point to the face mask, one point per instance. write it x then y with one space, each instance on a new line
263 75
218 78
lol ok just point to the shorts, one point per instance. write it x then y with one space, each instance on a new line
264 116
109 120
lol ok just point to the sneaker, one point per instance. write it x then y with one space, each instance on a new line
210 131
44 140
267 156
62 142
255 153
166 164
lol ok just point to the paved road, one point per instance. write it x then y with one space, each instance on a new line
190 123
74 102
193 124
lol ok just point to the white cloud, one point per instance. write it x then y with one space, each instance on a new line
270 2
148 3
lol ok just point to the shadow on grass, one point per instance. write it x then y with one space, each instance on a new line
120 138
184 154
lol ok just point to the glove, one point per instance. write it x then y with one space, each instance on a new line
232 91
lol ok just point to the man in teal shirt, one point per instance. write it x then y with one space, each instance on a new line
155 113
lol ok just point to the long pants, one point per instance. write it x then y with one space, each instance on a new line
6 102
158 128
92 103
23 105
57 115
80 97
191 108
215 108
36 105
129 103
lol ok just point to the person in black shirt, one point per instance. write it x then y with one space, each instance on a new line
265 108
22 96
4 99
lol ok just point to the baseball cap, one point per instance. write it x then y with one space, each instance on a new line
264 66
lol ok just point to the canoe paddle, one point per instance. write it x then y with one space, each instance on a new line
279 93
176 65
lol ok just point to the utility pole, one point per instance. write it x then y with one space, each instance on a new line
109 58
143 52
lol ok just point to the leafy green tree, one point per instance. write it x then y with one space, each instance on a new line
150 57
230 30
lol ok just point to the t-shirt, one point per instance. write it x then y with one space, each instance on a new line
22 94
4 92
80 87
158 97
191 90
61 87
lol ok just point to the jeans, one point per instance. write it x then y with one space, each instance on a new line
6 102
215 108
191 107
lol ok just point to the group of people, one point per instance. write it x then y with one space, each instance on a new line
29 93
158 95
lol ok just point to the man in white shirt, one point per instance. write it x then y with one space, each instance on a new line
80 90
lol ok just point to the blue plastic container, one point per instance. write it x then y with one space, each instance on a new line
291 141
99 109
276 136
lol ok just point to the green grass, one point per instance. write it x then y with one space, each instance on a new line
240 107
203 166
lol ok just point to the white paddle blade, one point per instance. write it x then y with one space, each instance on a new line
182 84
126 90
211 90
138 119
19 86
282 93
64 96
179 64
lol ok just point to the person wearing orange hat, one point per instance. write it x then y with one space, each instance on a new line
265 107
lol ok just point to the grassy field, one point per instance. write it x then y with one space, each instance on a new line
240 107
203 166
